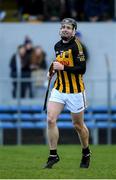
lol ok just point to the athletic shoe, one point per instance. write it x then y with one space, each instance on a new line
85 161
51 161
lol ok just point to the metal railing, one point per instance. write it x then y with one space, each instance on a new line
92 84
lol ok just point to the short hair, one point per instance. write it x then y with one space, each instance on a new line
70 21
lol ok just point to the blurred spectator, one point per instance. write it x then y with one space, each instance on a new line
20 68
38 60
2 15
26 66
20 4
52 10
31 9
38 67
2 12
15 68
112 4
36 8
74 9
97 10
85 50
28 47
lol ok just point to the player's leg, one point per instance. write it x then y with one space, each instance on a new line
76 104
78 121
53 110
81 129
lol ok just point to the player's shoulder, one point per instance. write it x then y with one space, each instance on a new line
77 44
58 44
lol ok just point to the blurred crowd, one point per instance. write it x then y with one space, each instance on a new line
55 10
26 61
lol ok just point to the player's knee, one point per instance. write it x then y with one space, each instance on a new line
51 120
78 127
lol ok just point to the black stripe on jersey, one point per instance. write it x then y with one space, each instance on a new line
63 82
70 83
77 82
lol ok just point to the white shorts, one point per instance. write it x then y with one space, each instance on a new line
75 103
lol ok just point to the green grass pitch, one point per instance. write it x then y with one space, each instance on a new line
26 162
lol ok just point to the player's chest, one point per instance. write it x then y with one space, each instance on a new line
64 56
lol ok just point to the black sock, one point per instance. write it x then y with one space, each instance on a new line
53 152
85 151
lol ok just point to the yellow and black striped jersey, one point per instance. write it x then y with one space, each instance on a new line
71 55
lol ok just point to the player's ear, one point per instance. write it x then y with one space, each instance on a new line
73 34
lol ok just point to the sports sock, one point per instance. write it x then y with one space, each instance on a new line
85 151
53 153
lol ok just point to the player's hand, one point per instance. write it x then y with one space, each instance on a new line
58 66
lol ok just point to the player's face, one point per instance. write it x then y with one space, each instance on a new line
66 31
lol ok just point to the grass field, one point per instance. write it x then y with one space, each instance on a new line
25 162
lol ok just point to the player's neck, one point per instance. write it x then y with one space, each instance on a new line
67 41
